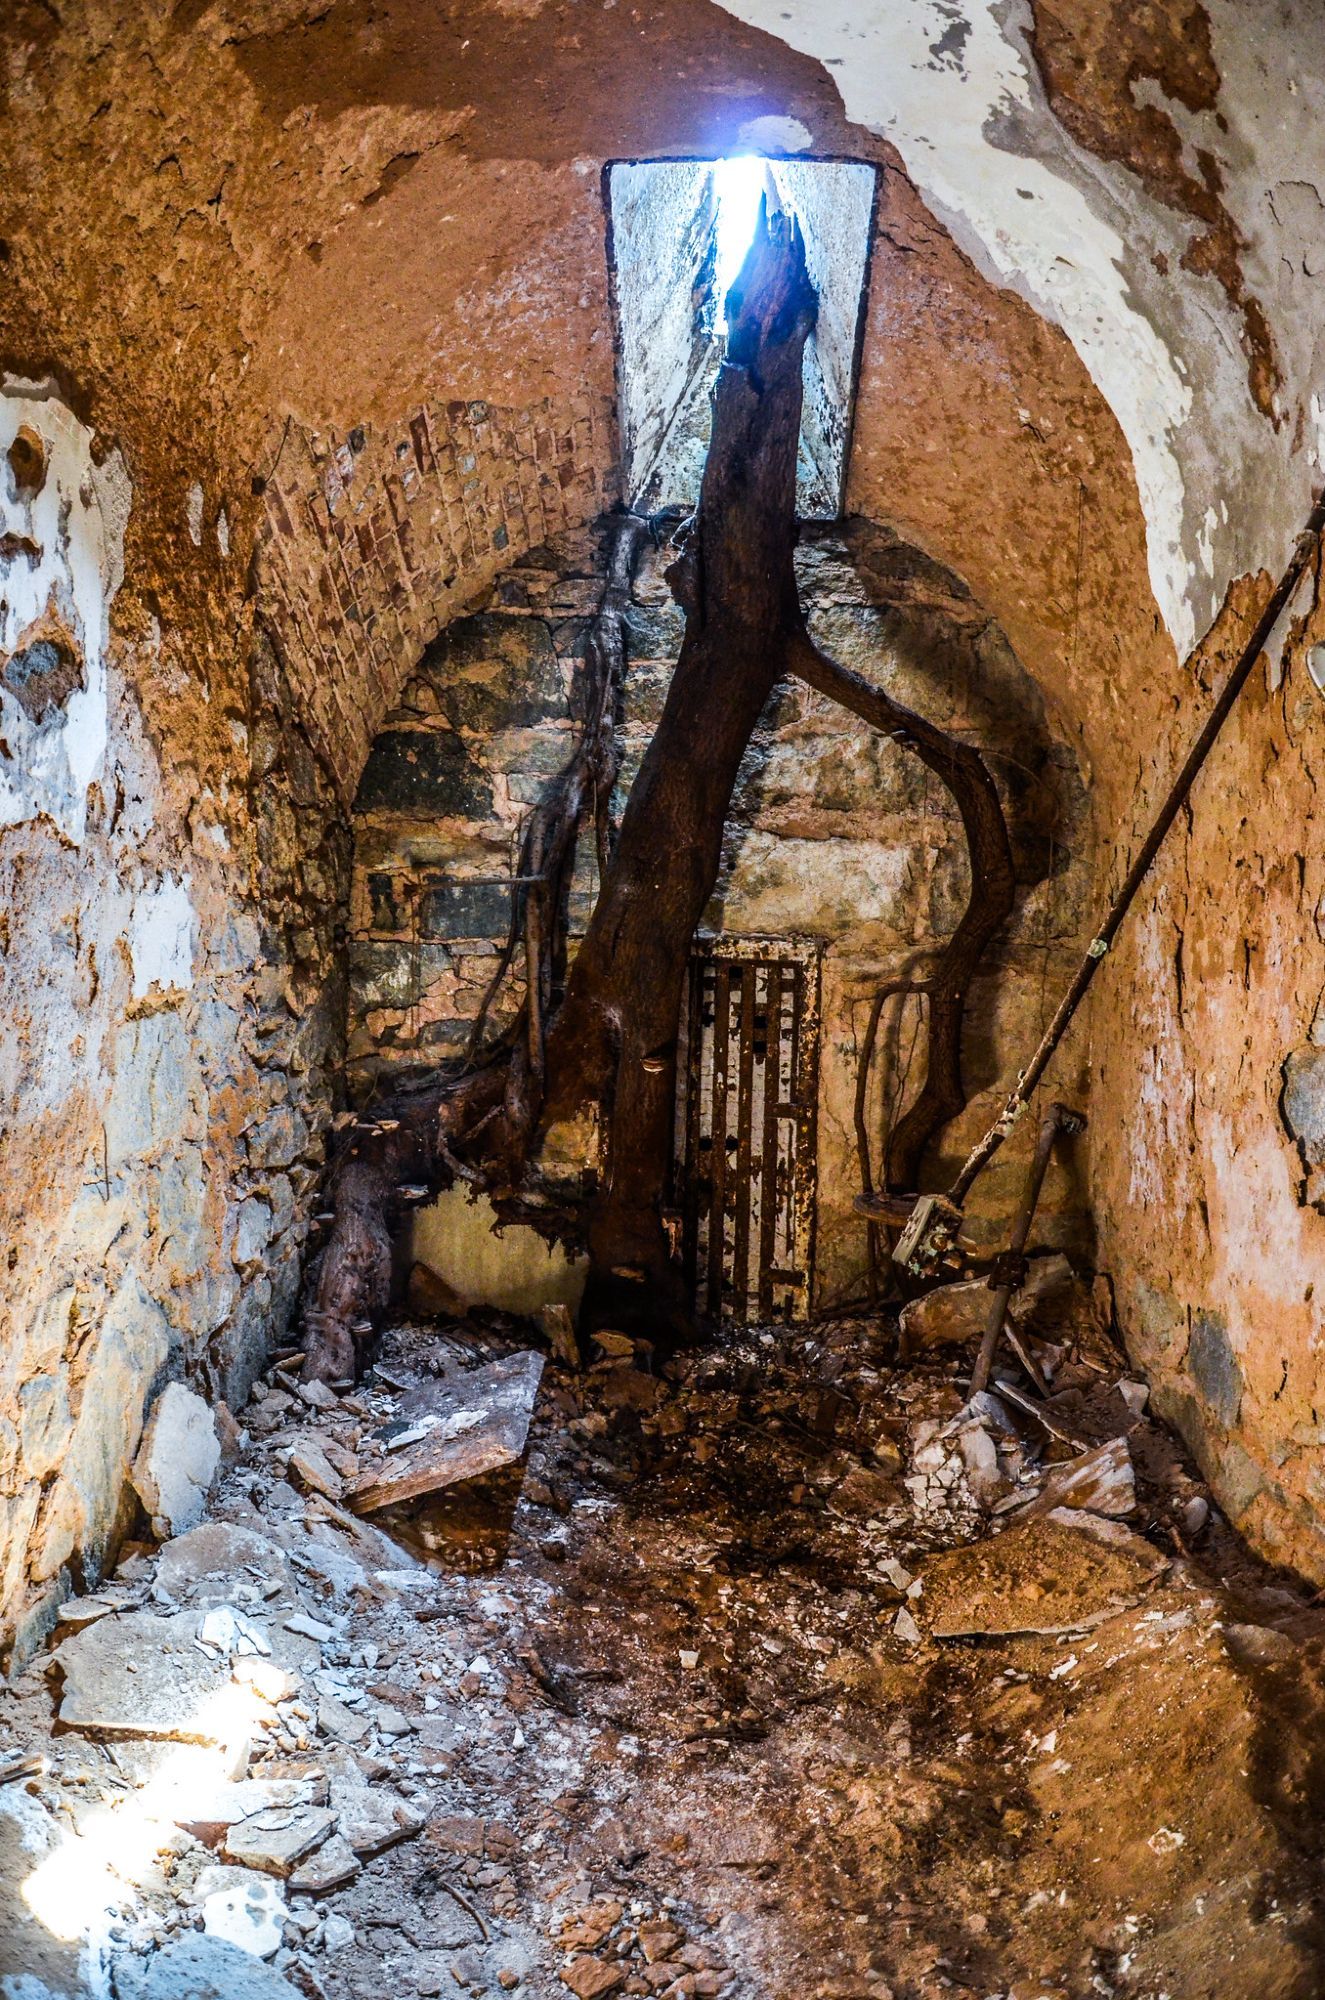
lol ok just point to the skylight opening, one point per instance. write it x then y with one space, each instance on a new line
680 233
739 184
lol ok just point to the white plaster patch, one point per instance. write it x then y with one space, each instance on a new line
194 515
936 84
161 937
774 135
65 557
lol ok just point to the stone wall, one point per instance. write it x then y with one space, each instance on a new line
374 542
834 834
168 1008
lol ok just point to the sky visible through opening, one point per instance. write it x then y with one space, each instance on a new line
738 183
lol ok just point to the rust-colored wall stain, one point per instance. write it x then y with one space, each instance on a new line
1096 60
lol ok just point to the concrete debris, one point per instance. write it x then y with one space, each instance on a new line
200 1968
176 1461
444 1433
276 1840
242 1909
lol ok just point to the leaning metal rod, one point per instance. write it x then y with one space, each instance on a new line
1304 548
1011 1267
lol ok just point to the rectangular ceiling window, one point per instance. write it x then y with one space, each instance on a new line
680 231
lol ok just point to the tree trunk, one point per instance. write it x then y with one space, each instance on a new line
609 1043
614 1041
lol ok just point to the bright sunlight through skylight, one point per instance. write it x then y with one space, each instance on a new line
738 184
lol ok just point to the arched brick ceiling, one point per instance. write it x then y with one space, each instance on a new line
267 230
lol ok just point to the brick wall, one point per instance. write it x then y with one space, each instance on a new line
374 542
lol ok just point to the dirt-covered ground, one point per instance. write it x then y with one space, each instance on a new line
775 1674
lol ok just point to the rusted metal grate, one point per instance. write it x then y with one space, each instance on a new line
745 1152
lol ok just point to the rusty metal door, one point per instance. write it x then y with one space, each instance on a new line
745 1153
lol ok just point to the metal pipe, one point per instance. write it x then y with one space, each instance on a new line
1058 1118
1306 545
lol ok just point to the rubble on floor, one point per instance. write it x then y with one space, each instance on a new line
776 1671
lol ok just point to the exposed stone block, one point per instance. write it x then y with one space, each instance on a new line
425 771
177 1461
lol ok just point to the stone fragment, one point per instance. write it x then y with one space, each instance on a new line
313 1471
658 1943
213 1810
370 1821
310 1628
197 1967
317 1395
204 1564
241 1908
333 1865
339 1722
277 1840
456 1833
176 1461
337 1932
588 1978
81 1611
136 1674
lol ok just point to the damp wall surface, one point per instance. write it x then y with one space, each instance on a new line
163 1056
834 836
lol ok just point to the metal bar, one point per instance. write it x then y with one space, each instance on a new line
1056 1119
768 1171
694 1104
718 1153
1307 543
744 1140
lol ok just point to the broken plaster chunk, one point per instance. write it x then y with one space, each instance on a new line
135 1674
905 1627
277 1840
176 1461
369 1820
333 1865
334 1719
197 1967
242 1908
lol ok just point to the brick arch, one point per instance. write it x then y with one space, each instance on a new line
373 542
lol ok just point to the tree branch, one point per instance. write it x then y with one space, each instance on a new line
942 1095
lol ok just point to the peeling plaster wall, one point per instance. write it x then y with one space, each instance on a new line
159 1141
